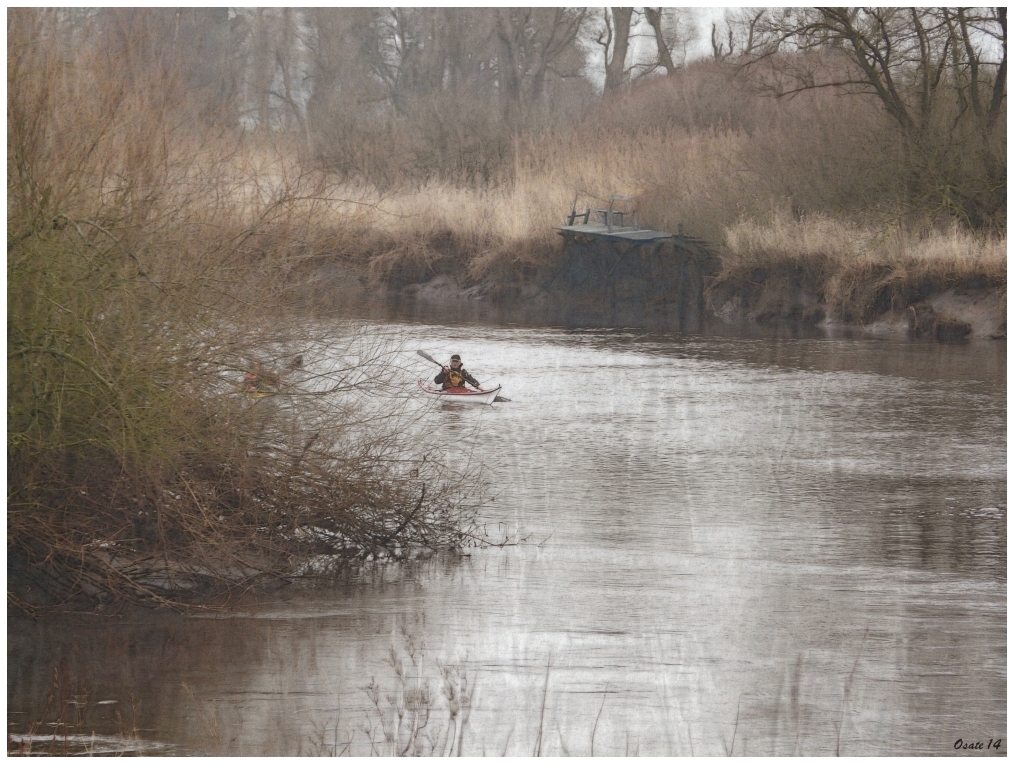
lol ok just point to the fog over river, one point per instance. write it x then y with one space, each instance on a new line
756 546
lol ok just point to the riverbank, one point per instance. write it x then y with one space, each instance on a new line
814 275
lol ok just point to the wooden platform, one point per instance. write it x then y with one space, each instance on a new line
616 233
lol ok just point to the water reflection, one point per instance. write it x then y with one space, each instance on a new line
733 545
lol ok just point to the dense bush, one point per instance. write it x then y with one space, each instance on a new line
145 279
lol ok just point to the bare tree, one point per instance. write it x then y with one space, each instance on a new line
654 17
968 61
939 73
449 87
534 44
348 91
742 34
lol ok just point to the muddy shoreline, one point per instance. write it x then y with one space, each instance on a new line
951 289
765 303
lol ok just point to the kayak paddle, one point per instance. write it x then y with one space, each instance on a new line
430 358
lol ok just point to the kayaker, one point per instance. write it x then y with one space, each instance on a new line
455 375
256 377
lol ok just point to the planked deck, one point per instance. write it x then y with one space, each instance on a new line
616 233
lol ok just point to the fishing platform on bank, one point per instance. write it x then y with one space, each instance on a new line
618 223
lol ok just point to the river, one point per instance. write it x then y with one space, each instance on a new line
715 545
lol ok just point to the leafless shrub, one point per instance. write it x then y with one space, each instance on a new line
158 449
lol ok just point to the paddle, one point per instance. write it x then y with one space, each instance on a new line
428 357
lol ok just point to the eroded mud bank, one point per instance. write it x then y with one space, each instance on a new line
691 288
942 311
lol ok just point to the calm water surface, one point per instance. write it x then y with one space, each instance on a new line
719 545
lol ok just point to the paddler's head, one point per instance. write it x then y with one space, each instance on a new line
455 361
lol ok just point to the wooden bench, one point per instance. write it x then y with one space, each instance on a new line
610 216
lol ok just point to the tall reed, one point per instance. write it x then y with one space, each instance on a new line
702 152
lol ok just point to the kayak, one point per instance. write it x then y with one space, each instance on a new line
255 393
461 394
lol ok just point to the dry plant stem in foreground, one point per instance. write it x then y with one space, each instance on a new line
412 719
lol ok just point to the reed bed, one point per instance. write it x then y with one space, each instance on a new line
849 264
503 231
506 231
950 254
703 152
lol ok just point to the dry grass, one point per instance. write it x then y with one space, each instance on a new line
701 183
504 230
947 255
855 268
700 152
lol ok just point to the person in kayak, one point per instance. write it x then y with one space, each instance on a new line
455 375
257 377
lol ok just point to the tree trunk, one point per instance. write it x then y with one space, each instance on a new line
616 73
654 16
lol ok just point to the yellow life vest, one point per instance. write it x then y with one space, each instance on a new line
454 379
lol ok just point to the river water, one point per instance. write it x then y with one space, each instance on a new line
716 545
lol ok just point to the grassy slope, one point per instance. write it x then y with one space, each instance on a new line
801 199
